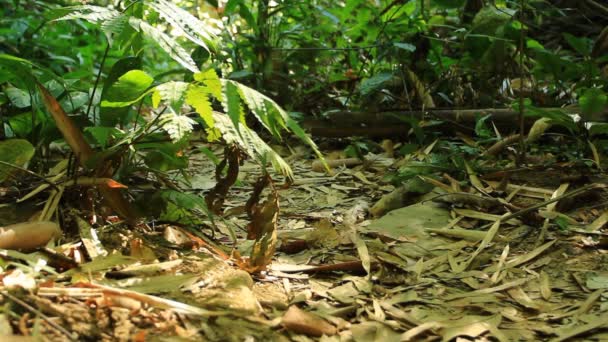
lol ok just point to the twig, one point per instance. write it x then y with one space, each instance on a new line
30 173
542 204
40 314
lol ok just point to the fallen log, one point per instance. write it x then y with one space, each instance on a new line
338 124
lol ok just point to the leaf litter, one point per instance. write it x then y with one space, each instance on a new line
438 259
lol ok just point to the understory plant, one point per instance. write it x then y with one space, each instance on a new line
135 122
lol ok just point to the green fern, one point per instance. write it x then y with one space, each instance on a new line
170 93
210 79
273 117
167 43
90 13
264 109
176 125
230 94
110 21
251 143
232 105
193 28
198 97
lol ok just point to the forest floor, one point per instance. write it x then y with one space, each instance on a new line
461 261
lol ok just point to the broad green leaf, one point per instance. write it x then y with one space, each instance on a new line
592 101
111 116
21 68
74 101
534 44
374 83
129 88
582 45
166 157
15 152
104 135
19 98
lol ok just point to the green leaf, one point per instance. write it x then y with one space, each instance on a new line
129 88
17 152
592 101
232 105
170 93
111 116
193 29
185 200
272 116
374 83
263 109
534 44
449 3
110 20
251 143
212 81
582 45
166 157
598 129
481 128
198 97
556 116
177 126
406 46
167 43
19 98
104 135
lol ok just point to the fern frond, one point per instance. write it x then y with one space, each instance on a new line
110 20
198 97
193 28
264 109
170 45
177 126
90 13
170 93
212 81
273 117
251 143
232 105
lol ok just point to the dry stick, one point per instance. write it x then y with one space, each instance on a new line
542 204
40 314
53 185
522 140
502 144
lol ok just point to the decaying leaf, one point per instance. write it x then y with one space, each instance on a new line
306 323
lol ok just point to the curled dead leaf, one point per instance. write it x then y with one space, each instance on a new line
303 322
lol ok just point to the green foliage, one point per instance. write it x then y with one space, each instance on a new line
592 101
14 152
128 89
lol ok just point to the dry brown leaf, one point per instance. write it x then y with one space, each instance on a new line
28 235
303 322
